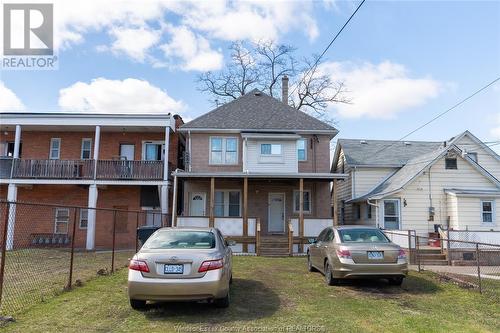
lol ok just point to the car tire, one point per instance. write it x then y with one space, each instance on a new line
396 281
222 302
329 279
310 267
137 304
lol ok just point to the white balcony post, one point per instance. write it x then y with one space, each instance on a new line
17 142
97 142
11 197
166 153
91 224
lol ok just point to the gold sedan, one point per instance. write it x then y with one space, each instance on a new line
350 252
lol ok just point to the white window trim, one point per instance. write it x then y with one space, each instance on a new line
90 151
226 202
493 212
310 202
305 149
56 221
270 143
159 142
223 138
80 219
399 211
51 148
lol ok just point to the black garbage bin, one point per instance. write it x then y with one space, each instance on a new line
144 232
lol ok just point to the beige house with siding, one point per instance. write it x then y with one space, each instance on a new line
416 185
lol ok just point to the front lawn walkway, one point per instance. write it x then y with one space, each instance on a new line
269 294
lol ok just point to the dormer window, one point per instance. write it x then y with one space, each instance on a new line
450 163
272 149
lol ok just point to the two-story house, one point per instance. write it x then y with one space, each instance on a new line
257 159
416 185
120 161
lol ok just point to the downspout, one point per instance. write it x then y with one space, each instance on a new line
189 151
376 211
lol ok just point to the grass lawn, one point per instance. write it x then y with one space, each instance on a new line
269 294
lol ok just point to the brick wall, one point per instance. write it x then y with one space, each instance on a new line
200 152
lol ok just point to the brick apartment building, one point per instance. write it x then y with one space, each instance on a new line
89 160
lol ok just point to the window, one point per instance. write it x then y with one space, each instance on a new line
391 214
55 148
7 148
306 207
369 212
227 203
223 150
177 239
153 151
153 216
270 149
61 221
86 149
473 156
362 236
487 211
302 149
84 218
357 212
450 163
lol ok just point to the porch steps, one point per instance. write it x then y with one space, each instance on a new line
432 257
274 246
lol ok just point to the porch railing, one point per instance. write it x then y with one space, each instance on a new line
134 170
53 169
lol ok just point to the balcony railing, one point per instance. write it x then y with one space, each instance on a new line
53 169
81 169
133 170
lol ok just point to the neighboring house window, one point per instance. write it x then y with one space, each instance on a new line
306 207
487 211
357 212
391 214
473 156
86 149
450 163
223 150
227 203
55 148
84 218
270 149
369 212
302 149
61 221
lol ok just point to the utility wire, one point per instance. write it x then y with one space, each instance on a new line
439 115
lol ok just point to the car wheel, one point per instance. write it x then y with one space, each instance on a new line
222 302
396 281
310 267
137 304
329 275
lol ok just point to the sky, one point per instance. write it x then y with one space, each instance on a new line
403 62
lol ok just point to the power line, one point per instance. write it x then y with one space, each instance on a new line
330 44
439 115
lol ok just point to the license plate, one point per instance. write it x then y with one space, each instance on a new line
174 269
375 255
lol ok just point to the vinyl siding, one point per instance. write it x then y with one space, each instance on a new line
452 207
287 162
469 214
366 179
343 188
484 158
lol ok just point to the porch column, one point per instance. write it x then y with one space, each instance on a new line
245 212
174 203
17 141
91 224
97 142
164 203
166 153
11 197
301 213
211 219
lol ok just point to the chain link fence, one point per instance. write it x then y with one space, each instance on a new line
44 248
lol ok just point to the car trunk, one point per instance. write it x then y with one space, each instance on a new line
359 252
190 259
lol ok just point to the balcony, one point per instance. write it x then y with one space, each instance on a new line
81 169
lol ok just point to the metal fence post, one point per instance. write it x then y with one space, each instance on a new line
409 246
73 232
4 248
478 268
448 246
113 246
417 246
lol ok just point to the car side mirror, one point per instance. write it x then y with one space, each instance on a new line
312 240
230 243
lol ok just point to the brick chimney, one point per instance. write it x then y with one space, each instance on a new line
284 89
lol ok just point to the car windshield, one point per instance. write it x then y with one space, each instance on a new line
181 240
362 236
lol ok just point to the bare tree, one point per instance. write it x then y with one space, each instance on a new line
263 66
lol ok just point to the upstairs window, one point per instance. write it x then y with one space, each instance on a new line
487 211
223 150
450 163
272 149
55 149
86 149
302 150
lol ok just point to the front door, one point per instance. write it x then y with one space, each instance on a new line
197 204
276 220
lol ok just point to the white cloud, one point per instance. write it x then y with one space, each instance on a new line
134 42
8 100
379 90
118 96
193 52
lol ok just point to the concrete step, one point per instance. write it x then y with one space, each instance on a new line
432 256
274 245
430 251
434 262
267 251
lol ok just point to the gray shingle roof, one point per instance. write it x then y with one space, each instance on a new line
258 111
384 152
